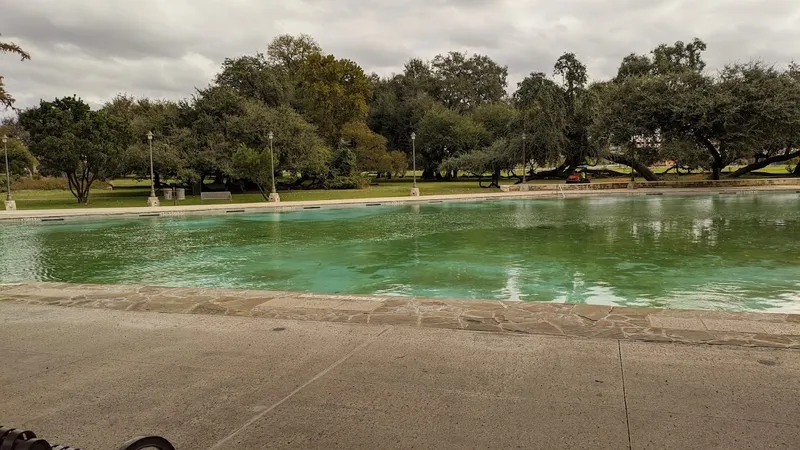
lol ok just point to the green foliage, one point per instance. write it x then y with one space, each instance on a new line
499 119
557 117
660 106
333 92
397 109
580 109
291 52
686 154
69 138
679 57
297 147
6 100
398 163
254 165
501 155
622 127
255 78
342 173
462 83
160 117
666 101
343 163
543 117
368 146
573 75
207 147
444 133
37 183
665 60
21 161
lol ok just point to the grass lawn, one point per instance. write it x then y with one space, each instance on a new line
130 192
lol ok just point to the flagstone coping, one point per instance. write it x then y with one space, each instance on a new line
749 329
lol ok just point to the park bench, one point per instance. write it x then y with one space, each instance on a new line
14 439
216 196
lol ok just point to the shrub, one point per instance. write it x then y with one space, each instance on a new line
352 182
40 184
47 184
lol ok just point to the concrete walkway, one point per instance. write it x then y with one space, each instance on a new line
94 377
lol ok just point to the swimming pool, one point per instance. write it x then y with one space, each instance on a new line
726 252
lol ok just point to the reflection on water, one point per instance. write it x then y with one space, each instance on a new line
713 252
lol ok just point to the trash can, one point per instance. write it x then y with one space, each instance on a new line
167 194
180 194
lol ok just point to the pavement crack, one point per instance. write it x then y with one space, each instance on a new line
624 393
222 443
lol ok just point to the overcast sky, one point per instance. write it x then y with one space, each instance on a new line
166 48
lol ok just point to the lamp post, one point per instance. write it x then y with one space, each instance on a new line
10 204
273 195
152 200
414 188
524 160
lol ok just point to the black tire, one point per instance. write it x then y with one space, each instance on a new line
141 443
33 444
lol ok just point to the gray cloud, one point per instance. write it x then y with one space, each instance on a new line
165 48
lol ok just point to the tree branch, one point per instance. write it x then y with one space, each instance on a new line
642 169
764 163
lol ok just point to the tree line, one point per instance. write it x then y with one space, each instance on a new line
331 123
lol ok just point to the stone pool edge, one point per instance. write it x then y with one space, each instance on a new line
569 191
749 329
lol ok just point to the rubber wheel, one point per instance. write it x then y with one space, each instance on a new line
142 443
10 439
33 444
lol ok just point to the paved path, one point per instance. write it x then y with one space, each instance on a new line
224 208
94 377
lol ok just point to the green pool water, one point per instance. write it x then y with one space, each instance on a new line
727 252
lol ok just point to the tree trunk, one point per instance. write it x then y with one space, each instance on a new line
156 180
764 163
79 185
428 174
796 172
563 171
717 165
197 186
716 170
262 191
495 178
86 191
637 166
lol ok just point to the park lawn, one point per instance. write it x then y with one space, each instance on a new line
129 193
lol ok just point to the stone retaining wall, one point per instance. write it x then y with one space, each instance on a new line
655 184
